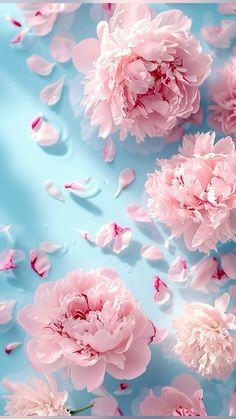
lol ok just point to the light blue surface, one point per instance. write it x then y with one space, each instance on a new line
35 216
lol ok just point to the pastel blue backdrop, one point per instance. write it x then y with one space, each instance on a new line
35 216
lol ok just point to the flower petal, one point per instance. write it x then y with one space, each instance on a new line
138 213
39 65
228 264
39 262
6 259
61 47
43 133
52 189
151 252
6 308
51 94
50 247
178 271
127 176
84 54
109 150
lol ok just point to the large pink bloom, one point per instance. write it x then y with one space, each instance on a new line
206 339
87 323
223 95
194 193
42 16
36 398
142 73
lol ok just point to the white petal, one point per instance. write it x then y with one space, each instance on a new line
43 133
52 189
51 94
39 65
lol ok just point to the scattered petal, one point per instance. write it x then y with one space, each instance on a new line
84 54
51 94
202 274
75 185
161 334
127 176
7 259
61 47
39 262
109 150
11 346
43 133
19 37
6 308
178 271
151 252
86 236
222 302
228 264
85 189
13 21
162 294
113 234
138 213
106 405
39 65
50 247
52 189
220 36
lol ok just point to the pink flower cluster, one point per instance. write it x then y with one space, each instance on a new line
142 73
87 324
206 338
223 96
194 193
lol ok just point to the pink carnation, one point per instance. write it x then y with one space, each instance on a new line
37 398
87 324
206 339
142 73
42 16
194 193
222 93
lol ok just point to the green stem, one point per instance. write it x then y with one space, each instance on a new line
82 409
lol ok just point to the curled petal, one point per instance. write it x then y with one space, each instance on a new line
151 252
39 65
127 176
11 346
7 259
39 262
19 37
138 213
50 247
6 308
43 133
109 150
61 47
122 240
51 94
178 271
162 294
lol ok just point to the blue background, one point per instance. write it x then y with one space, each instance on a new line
35 216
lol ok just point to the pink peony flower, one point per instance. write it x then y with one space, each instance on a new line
222 93
175 401
206 341
194 193
87 324
142 73
42 16
37 398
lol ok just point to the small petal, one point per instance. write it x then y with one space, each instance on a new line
61 47
39 262
39 65
178 271
52 189
127 176
151 252
50 247
6 308
84 54
19 37
109 150
161 334
11 346
43 133
162 294
86 236
51 94
228 264
6 259
13 21
222 302
138 213
75 185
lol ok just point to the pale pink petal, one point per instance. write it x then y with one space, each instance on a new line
43 133
85 235
220 36
138 213
227 8
109 150
232 402
11 346
161 334
105 235
84 54
202 275
51 94
105 406
61 47
162 294
7 259
50 247
19 37
122 240
228 264
75 185
39 262
13 21
6 308
39 65
186 383
178 271
127 176
175 135
151 252
52 189
222 302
